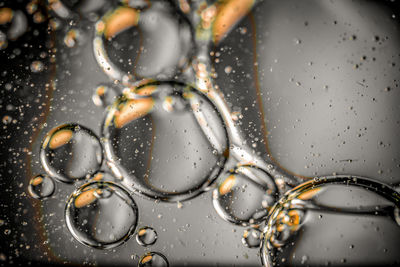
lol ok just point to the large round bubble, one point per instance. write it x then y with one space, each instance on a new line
71 152
155 42
244 195
101 215
334 221
166 141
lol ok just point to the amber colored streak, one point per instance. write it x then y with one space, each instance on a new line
229 13
60 138
146 259
227 185
86 198
36 181
260 102
6 15
35 134
132 110
120 20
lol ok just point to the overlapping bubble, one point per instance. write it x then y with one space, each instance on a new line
334 221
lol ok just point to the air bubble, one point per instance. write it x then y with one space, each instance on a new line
146 236
101 215
71 152
146 143
153 259
41 186
252 238
37 66
245 195
104 95
155 44
352 210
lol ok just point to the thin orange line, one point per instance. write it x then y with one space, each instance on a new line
260 103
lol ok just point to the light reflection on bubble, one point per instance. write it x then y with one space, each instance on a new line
101 215
104 95
41 186
252 238
71 152
245 195
167 127
335 221
153 259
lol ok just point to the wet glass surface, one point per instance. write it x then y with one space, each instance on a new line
156 133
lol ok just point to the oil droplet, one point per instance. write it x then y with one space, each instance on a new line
146 236
354 208
71 152
147 140
252 238
101 215
41 186
245 195
153 259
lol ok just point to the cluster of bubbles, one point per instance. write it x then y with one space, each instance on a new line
154 127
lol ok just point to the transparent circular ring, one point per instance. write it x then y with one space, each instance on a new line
165 140
165 42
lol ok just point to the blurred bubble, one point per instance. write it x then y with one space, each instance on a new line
147 141
101 215
37 66
245 195
83 9
13 23
341 220
152 43
73 38
41 186
146 236
252 238
71 152
154 259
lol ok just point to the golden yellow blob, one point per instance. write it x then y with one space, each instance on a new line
100 90
146 258
98 177
36 181
227 185
308 194
6 15
59 139
87 197
142 232
132 110
229 13
120 20
146 90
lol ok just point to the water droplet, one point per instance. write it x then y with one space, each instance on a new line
146 236
154 259
252 238
70 152
148 143
101 215
354 208
244 196
41 186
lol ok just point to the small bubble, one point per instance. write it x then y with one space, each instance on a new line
37 66
146 236
41 186
153 259
252 238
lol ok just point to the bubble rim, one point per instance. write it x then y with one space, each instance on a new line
367 183
111 245
144 190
